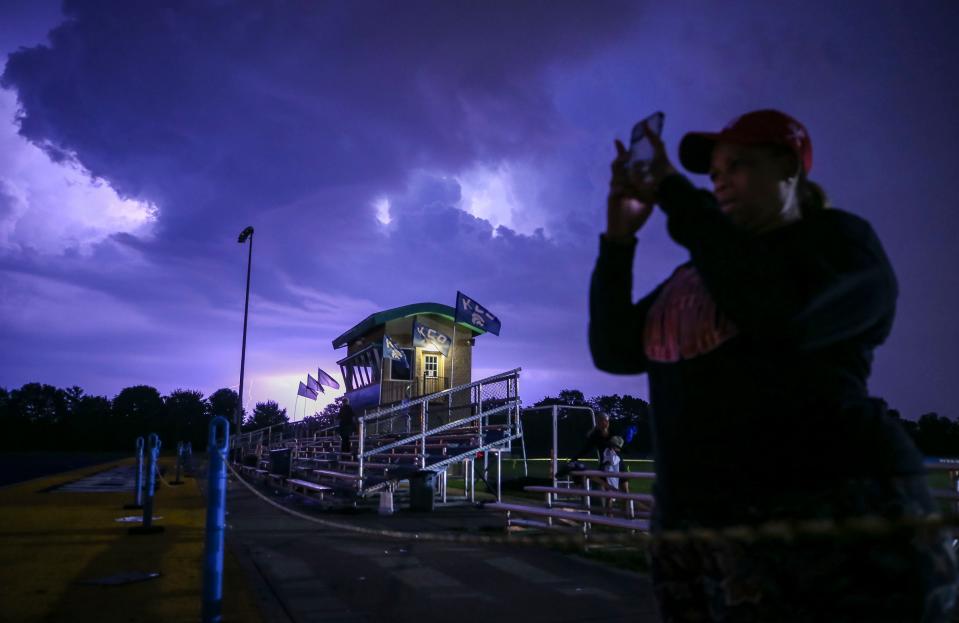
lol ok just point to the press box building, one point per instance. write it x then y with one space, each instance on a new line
372 380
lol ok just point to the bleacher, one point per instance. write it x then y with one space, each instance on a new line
393 444
569 507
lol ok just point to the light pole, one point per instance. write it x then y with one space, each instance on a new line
244 235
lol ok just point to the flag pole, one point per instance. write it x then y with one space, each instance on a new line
413 363
456 311
452 347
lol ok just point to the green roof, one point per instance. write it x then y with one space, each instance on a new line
382 317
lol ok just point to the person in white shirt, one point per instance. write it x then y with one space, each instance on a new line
611 462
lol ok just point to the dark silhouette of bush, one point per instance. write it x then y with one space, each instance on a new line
266 414
224 402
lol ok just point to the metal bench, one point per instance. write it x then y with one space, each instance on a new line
376 466
307 486
644 499
584 518
624 475
332 474
620 495
945 494
541 525
942 465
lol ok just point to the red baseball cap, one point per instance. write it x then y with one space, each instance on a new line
760 127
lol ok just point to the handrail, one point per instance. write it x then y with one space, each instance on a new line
237 440
510 404
404 406
439 429
459 457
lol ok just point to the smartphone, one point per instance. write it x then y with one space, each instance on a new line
640 150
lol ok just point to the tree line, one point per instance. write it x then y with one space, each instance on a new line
934 434
43 417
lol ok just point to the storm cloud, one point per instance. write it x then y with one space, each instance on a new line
390 153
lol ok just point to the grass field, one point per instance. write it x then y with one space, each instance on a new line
55 543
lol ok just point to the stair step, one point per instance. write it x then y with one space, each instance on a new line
334 474
305 484
380 466
394 459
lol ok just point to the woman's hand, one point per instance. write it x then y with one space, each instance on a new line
625 212
632 193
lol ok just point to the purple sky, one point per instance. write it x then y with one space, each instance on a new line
463 145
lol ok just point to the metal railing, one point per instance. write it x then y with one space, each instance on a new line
493 401
292 433
488 410
392 390
426 385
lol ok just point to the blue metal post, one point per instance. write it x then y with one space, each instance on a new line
188 458
215 521
153 448
153 454
138 495
179 463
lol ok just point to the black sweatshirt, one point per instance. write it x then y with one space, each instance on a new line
347 419
757 351
595 443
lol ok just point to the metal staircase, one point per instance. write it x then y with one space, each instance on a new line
427 435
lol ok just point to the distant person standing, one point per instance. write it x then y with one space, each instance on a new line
757 351
597 439
612 464
347 424
611 461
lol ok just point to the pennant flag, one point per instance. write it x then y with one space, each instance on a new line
393 352
306 392
325 379
471 312
313 384
425 337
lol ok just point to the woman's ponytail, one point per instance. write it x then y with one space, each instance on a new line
812 198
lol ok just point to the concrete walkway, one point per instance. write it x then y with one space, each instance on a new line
304 572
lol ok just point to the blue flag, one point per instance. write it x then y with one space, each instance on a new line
392 352
471 312
325 379
425 337
306 392
313 384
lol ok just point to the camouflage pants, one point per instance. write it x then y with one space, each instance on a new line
910 575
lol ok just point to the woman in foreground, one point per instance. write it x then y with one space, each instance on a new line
758 350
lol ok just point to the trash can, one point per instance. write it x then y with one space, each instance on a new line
422 486
280 462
